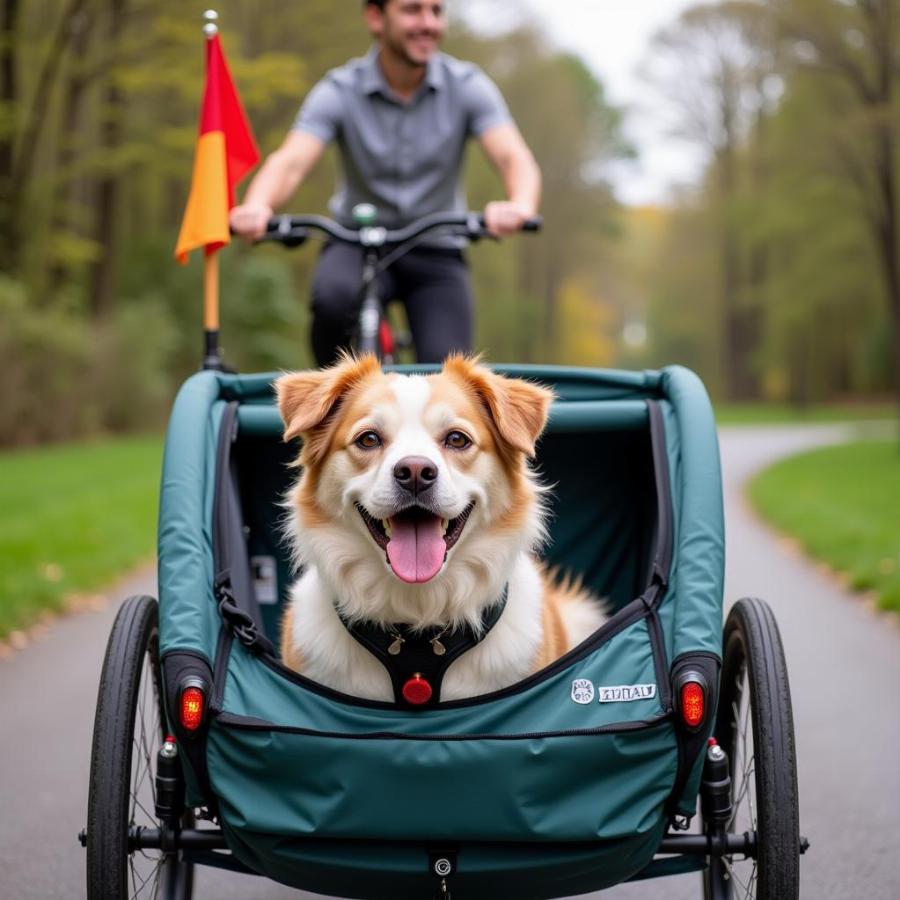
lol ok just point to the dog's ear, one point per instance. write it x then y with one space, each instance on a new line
517 408
308 401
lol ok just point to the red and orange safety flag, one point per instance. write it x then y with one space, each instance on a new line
226 151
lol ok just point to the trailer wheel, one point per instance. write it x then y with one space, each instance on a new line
128 732
754 726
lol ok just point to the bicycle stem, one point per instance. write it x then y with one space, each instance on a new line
370 311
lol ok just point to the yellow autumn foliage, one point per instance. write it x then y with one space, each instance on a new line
587 327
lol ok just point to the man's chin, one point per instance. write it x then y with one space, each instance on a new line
420 57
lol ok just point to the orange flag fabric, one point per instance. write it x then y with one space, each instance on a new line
226 151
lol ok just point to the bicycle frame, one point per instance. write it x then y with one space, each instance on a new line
380 248
370 311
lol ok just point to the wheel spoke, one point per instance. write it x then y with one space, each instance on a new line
143 767
149 686
154 874
744 761
744 792
144 809
748 887
144 741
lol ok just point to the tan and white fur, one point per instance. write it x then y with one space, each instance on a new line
473 431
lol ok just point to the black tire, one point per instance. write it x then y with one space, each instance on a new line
754 726
128 731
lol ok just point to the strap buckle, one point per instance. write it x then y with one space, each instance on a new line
239 622
659 584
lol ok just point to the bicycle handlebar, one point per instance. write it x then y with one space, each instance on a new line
291 230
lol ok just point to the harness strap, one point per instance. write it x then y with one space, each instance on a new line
416 661
233 585
238 621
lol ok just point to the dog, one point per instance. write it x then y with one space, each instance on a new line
417 514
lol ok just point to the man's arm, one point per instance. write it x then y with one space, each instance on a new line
507 151
279 176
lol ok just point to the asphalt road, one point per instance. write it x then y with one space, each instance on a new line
844 664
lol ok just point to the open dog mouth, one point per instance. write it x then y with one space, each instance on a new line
415 540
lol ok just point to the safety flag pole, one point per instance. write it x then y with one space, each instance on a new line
211 355
212 358
226 151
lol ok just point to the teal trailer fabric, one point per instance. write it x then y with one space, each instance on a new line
534 763
560 785
188 618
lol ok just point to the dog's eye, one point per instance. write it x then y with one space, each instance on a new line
456 440
368 440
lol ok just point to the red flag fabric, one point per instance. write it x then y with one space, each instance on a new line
226 151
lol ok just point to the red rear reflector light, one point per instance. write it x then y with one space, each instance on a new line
693 704
192 702
387 337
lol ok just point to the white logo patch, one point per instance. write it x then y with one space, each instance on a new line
624 693
582 691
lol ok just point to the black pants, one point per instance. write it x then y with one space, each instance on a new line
433 284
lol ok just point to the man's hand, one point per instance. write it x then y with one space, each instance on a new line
505 217
250 219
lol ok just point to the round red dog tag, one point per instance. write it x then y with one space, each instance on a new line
417 690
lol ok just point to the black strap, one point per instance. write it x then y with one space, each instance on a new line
234 582
416 654
240 623
665 530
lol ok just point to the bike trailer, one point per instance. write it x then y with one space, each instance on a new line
561 784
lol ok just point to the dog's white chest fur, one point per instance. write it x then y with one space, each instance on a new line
332 657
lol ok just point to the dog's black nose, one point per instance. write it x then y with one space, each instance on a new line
415 474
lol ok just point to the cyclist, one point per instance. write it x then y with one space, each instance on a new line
400 117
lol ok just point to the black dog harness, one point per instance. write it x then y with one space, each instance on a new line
416 661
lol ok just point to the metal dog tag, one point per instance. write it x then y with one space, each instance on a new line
396 646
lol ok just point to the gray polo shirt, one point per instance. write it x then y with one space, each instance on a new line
405 157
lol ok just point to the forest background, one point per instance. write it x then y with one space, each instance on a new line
775 277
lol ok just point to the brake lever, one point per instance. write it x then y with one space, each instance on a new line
285 235
475 229
294 238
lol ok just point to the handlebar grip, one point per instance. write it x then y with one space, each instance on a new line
535 223
278 224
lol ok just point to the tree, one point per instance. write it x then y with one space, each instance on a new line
714 68
573 131
9 112
853 48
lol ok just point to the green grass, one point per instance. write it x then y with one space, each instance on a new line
73 518
843 506
782 414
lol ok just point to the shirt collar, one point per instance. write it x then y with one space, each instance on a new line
373 81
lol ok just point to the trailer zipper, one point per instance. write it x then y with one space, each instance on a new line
246 723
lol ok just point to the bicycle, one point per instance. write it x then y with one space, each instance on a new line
382 247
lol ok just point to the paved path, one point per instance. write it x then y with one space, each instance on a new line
844 663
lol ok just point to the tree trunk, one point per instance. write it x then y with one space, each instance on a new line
103 271
63 219
886 229
888 243
739 339
9 98
758 259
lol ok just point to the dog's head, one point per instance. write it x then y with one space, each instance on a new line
422 470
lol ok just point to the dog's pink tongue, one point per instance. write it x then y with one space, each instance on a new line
416 549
